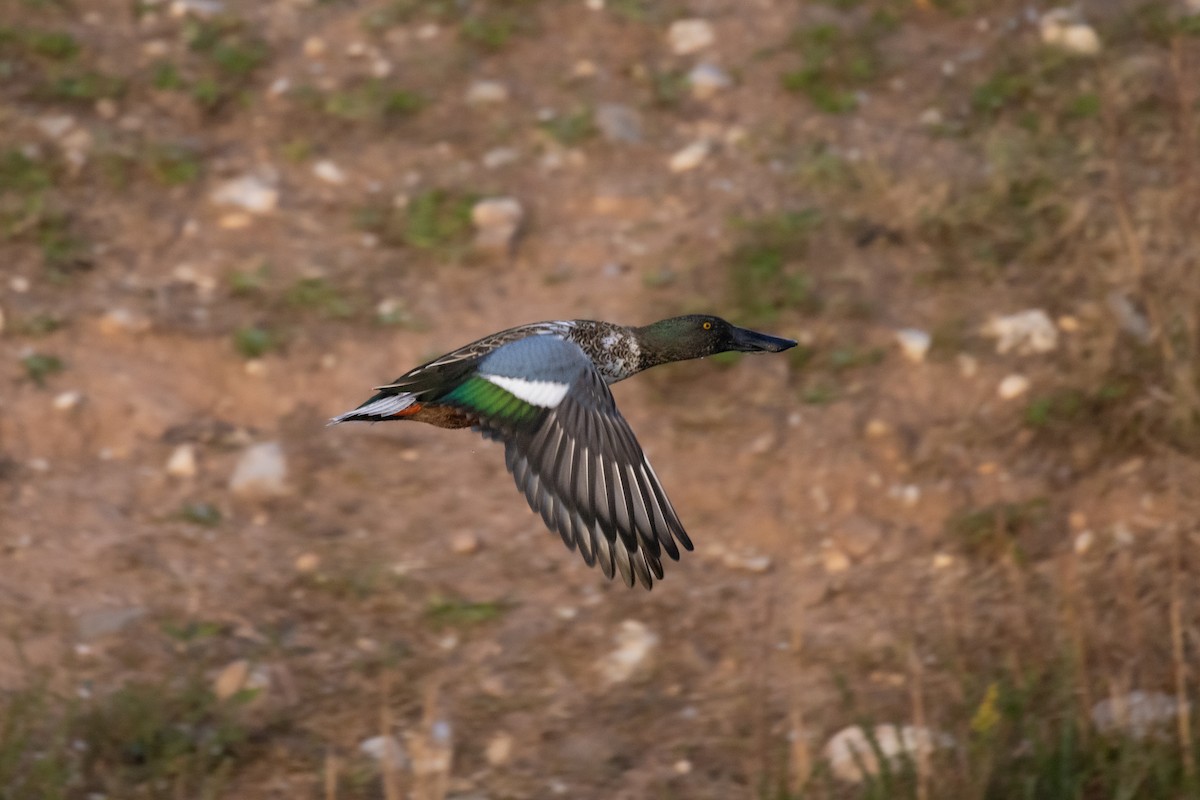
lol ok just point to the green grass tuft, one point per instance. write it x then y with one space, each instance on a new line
764 268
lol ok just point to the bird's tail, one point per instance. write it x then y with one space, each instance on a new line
380 407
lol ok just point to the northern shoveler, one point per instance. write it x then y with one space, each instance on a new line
542 390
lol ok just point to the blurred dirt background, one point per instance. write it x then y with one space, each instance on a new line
964 504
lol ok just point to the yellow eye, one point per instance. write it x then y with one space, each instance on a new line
708 326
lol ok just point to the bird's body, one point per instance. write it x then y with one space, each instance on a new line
542 389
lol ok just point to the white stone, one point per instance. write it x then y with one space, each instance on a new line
687 36
708 79
1013 387
931 117
19 284
261 471
385 750
913 343
690 156
968 365
67 401
249 192
329 172
1084 541
199 8
499 157
852 757
497 221
182 463
1026 332
1061 27
635 645
55 125
1137 714
486 92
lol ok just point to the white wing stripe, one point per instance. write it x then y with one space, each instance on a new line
544 394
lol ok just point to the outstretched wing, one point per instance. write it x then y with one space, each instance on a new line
574 455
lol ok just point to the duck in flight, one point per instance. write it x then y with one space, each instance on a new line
542 390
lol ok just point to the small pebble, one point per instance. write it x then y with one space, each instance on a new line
231 679
931 118
499 749
66 401
486 93
834 560
182 463
1084 542
385 750
618 123
464 544
1026 332
248 192
329 172
1013 387
19 284
708 79
314 47
635 645
497 221
682 767
690 157
942 560
500 156
307 562
687 36
913 343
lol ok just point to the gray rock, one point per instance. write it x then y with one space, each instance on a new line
1137 714
635 647
1026 332
497 221
618 123
261 471
852 757
100 622
381 748
708 79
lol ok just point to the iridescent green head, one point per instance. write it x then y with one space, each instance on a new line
700 335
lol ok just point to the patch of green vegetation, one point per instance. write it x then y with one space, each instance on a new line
297 150
433 220
443 612
245 282
180 735
763 269
23 175
316 294
86 86
848 357
837 62
254 341
172 164
36 756
996 530
40 366
371 100
357 585
201 513
403 12
668 87
1065 408
165 76
192 631
438 219
822 167
56 45
571 129
36 325
491 29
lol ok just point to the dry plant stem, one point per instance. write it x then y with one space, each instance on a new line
1072 611
917 692
331 776
763 683
391 788
1183 708
800 759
